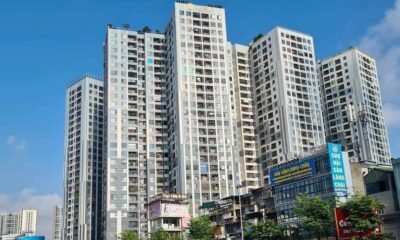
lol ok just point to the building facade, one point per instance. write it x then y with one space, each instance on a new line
325 173
352 106
381 183
136 151
169 212
286 96
83 164
17 223
200 125
56 230
243 117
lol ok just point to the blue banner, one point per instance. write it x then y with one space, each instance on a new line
292 172
337 169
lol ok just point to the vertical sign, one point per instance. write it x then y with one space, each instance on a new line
337 169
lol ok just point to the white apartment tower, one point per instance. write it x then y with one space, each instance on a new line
21 222
286 96
83 162
243 117
353 109
201 142
56 223
136 129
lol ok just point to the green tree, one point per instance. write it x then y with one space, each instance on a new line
362 212
201 228
161 234
316 216
268 230
128 235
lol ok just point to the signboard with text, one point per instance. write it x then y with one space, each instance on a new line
344 227
337 169
292 172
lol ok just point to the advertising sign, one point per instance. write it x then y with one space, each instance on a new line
155 209
292 172
174 210
337 169
344 227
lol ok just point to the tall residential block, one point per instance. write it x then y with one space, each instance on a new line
21 222
200 127
83 164
286 96
353 109
56 229
136 149
243 117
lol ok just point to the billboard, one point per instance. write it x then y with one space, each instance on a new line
337 169
344 227
155 209
292 172
174 210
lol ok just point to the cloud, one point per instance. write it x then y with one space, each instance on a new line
382 41
16 144
27 199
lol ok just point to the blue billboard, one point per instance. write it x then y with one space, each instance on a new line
292 172
337 169
31 238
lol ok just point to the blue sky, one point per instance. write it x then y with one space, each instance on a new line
46 44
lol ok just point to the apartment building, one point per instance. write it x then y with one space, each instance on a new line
243 117
56 230
286 96
17 223
200 126
352 106
83 164
136 151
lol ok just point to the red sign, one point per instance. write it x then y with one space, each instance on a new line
344 227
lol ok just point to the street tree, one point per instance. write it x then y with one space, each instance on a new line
268 230
315 215
161 234
201 228
363 213
128 235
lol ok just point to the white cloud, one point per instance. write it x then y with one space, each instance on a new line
382 41
16 144
26 199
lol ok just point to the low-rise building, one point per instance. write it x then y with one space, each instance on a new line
225 214
169 212
381 184
324 173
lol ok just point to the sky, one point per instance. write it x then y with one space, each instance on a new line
46 44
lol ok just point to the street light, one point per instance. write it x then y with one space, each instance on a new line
240 211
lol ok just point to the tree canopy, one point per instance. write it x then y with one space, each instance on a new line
315 215
268 230
363 213
200 228
128 235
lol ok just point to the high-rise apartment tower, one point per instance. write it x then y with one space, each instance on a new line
136 149
353 109
286 96
83 164
200 126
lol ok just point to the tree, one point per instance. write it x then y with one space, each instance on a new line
161 234
268 230
316 216
128 235
200 228
362 212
